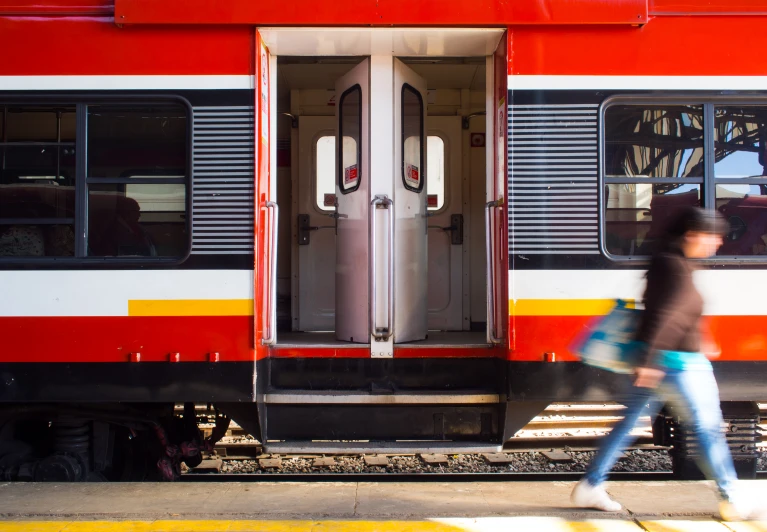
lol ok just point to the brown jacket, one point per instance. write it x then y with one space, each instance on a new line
673 307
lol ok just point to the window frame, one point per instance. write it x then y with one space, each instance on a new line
406 87
446 176
81 103
340 144
707 184
315 177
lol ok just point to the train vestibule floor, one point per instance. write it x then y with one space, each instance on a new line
665 506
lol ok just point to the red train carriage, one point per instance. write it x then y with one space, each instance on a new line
380 226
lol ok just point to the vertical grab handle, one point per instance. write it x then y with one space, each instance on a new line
269 314
381 201
490 257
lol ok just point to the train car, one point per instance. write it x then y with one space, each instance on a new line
360 229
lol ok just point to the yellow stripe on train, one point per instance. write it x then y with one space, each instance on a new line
190 307
562 307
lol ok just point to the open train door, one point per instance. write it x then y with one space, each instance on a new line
496 222
265 275
410 245
353 205
381 247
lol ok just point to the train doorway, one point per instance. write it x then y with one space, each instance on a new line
383 162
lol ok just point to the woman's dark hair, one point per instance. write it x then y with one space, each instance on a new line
692 219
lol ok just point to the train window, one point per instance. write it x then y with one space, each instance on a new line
37 178
745 206
125 179
350 107
653 166
40 124
636 214
124 139
324 170
654 141
136 220
659 158
412 139
435 172
136 175
740 141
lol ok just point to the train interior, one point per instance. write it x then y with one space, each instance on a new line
455 185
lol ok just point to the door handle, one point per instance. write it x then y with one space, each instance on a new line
269 312
381 334
304 229
490 257
455 228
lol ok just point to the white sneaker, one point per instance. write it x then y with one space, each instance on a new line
587 496
742 508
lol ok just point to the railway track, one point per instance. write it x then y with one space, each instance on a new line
573 430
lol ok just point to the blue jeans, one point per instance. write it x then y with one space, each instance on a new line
694 395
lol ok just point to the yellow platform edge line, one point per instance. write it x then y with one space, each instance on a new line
480 524
562 307
227 526
190 307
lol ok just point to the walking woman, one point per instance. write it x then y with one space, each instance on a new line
672 369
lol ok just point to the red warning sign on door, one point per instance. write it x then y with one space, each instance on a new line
412 173
350 175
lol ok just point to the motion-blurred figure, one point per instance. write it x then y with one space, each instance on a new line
672 368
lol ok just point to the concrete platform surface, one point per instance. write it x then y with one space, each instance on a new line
359 506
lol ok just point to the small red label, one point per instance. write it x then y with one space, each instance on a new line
432 200
412 173
350 174
329 200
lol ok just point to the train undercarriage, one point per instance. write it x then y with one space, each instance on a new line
140 442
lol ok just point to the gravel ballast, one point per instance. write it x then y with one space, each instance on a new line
521 462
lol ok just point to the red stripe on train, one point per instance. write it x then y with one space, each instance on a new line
196 338
114 339
741 338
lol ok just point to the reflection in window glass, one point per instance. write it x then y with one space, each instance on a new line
435 172
45 240
143 151
40 124
739 139
49 163
745 207
37 176
412 139
350 173
654 141
34 199
324 170
125 141
637 214
142 220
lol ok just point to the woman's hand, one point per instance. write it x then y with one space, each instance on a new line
648 377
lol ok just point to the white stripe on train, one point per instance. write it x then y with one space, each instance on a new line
682 83
106 293
726 292
57 83
516 82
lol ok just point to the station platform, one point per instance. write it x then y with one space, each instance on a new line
655 506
